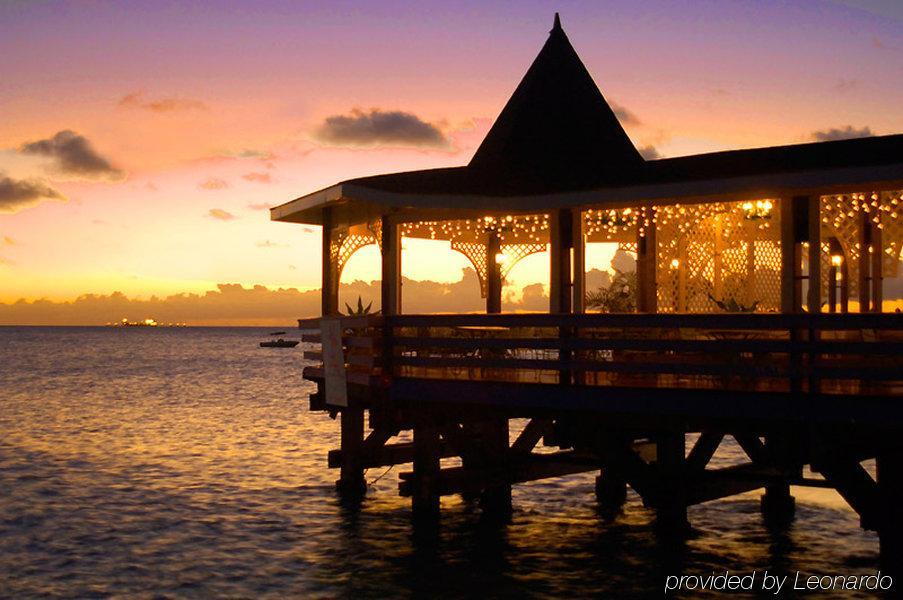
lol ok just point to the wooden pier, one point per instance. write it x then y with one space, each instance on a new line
619 395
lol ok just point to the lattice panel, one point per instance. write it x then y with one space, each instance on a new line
515 252
343 245
721 251
476 253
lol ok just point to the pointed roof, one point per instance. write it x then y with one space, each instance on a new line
557 127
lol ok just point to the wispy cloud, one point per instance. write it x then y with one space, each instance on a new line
73 154
841 133
166 104
379 127
627 117
258 177
9 241
261 206
213 183
19 194
649 152
220 214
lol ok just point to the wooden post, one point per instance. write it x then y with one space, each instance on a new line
671 499
813 302
877 274
351 478
425 496
777 504
493 274
391 267
790 262
889 465
329 291
496 498
647 259
579 264
560 243
864 280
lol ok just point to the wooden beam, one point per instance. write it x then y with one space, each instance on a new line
561 241
647 294
877 273
864 279
534 430
425 485
703 450
493 274
391 267
329 290
578 302
813 302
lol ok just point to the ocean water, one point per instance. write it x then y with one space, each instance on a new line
148 463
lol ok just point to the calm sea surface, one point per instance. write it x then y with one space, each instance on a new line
184 463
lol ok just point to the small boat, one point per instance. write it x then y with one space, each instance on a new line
280 343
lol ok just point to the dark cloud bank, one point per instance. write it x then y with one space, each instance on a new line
17 194
73 154
841 133
233 304
379 127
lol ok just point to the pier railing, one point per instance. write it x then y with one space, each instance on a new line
828 354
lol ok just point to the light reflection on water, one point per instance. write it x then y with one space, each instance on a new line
184 462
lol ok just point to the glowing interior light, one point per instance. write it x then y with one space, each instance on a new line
836 260
675 263
501 258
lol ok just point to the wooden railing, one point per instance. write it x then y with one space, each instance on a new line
830 354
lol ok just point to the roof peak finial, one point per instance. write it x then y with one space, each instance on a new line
556 26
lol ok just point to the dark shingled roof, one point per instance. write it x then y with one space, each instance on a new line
558 134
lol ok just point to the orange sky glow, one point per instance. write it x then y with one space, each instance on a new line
194 123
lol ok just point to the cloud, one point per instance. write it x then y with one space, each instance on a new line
307 229
261 206
379 127
213 183
8 241
220 214
625 116
73 155
161 105
269 244
842 133
649 152
845 85
19 194
258 177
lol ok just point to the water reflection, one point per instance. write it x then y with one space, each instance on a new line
184 462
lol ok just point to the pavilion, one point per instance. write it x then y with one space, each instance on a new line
789 231
557 171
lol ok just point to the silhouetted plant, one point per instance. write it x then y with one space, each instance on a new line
361 309
731 305
619 296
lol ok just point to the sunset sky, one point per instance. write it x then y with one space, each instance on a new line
142 142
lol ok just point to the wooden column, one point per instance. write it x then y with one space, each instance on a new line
561 241
496 498
578 302
813 302
864 279
681 276
794 231
646 262
425 496
877 274
671 499
889 467
493 274
351 481
391 267
329 291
